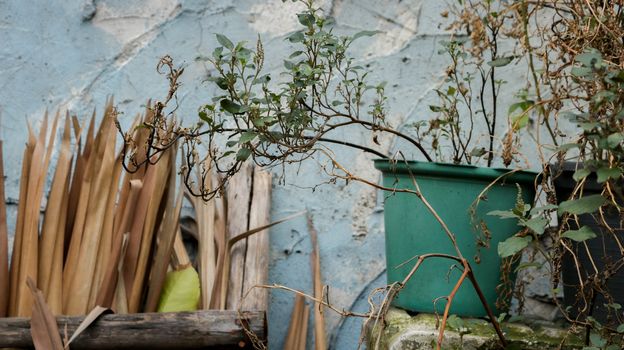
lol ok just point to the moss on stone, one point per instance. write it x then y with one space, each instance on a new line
403 331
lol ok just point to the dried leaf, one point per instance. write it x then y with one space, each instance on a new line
91 317
43 327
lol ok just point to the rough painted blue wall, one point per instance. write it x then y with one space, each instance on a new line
72 54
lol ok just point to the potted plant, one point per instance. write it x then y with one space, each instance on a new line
589 192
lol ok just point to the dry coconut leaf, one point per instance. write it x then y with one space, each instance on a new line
43 327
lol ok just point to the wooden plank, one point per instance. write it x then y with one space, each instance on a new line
180 330
238 196
320 338
218 301
205 217
257 257
4 246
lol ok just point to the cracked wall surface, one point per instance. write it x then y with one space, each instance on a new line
73 54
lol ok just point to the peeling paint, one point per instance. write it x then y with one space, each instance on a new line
126 22
278 18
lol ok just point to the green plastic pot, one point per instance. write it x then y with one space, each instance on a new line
411 231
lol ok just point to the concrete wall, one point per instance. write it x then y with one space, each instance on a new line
72 54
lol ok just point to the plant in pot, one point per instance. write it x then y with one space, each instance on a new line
590 193
574 51
432 209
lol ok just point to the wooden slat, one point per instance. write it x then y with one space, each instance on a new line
4 246
320 338
205 217
218 301
181 330
257 257
238 196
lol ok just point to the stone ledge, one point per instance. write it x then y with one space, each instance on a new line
420 332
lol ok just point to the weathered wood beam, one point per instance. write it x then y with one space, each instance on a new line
220 329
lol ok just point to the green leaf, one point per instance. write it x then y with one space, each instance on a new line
263 79
523 105
504 214
501 62
233 107
580 235
580 174
478 152
537 224
296 37
289 65
243 154
520 121
512 245
614 140
247 136
295 54
180 292
581 71
223 40
306 19
305 69
455 322
583 205
620 328
365 33
217 53
605 174
597 340
591 58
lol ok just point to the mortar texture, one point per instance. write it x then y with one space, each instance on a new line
73 54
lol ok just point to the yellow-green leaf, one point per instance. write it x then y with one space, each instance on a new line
580 235
180 292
